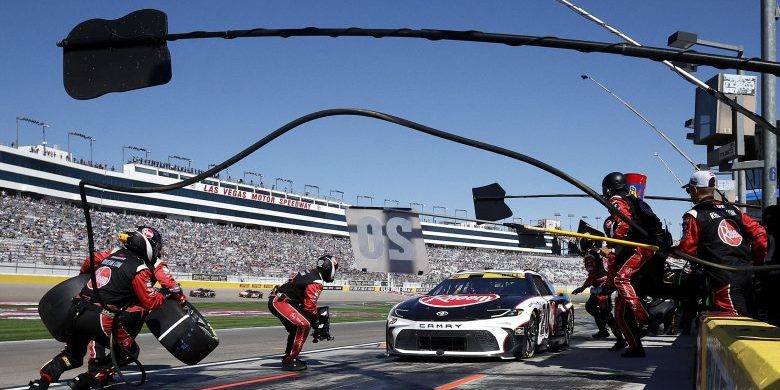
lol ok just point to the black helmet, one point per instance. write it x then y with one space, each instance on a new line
146 242
613 183
327 265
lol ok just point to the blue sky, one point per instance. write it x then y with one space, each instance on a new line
225 95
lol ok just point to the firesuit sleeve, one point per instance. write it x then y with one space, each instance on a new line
758 239
589 281
148 297
621 227
310 297
163 275
689 243
99 257
612 269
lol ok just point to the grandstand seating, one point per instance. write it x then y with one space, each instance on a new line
54 233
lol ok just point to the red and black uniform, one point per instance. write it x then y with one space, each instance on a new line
124 281
724 234
133 317
295 304
626 262
599 304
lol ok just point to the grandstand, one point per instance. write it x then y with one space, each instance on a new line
48 232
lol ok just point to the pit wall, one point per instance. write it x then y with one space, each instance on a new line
737 353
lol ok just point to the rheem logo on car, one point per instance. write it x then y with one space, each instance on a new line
457 300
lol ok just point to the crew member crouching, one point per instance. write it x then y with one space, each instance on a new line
124 279
599 304
295 304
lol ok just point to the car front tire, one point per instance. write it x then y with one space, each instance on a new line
531 338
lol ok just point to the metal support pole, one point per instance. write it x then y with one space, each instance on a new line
738 126
768 105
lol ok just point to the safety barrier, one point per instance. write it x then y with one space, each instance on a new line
737 353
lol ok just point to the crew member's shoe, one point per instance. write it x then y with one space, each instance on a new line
602 334
82 382
634 352
293 365
39 384
620 344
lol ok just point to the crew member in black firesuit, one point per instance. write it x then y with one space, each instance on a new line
100 367
722 233
599 304
295 304
124 280
625 262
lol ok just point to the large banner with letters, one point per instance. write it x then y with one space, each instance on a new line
387 241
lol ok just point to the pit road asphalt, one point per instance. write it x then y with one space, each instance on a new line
249 359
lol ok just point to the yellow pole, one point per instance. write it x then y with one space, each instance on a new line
592 237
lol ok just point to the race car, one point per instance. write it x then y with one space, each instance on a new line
492 313
251 294
203 293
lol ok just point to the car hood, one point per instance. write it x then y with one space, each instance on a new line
461 307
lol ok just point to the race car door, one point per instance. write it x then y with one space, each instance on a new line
549 297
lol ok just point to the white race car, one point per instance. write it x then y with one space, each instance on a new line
491 313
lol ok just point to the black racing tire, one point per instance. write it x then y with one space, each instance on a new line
530 339
569 331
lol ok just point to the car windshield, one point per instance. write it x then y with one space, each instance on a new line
480 285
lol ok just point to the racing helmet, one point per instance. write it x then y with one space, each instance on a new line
327 266
145 241
613 183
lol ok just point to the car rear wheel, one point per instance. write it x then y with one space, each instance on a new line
531 338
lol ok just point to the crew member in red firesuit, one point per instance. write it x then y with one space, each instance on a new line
599 304
625 262
100 368
295 304
124 279
722 233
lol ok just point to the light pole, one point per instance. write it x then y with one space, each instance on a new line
189 162
422 206
370 199
306 191
136 148
253 174
330 194
570 217
685 40
558 218
598 222
391 200
35 122
283 180
433 210
82 136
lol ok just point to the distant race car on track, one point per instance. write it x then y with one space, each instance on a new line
491 313
251 294
203 293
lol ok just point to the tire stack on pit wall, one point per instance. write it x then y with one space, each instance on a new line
737 353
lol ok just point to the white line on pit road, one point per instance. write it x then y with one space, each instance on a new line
224 362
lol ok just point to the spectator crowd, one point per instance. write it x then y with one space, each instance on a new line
54 233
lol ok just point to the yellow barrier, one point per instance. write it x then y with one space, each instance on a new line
738 353
32 279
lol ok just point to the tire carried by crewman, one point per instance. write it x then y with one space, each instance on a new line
183 331
55 307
